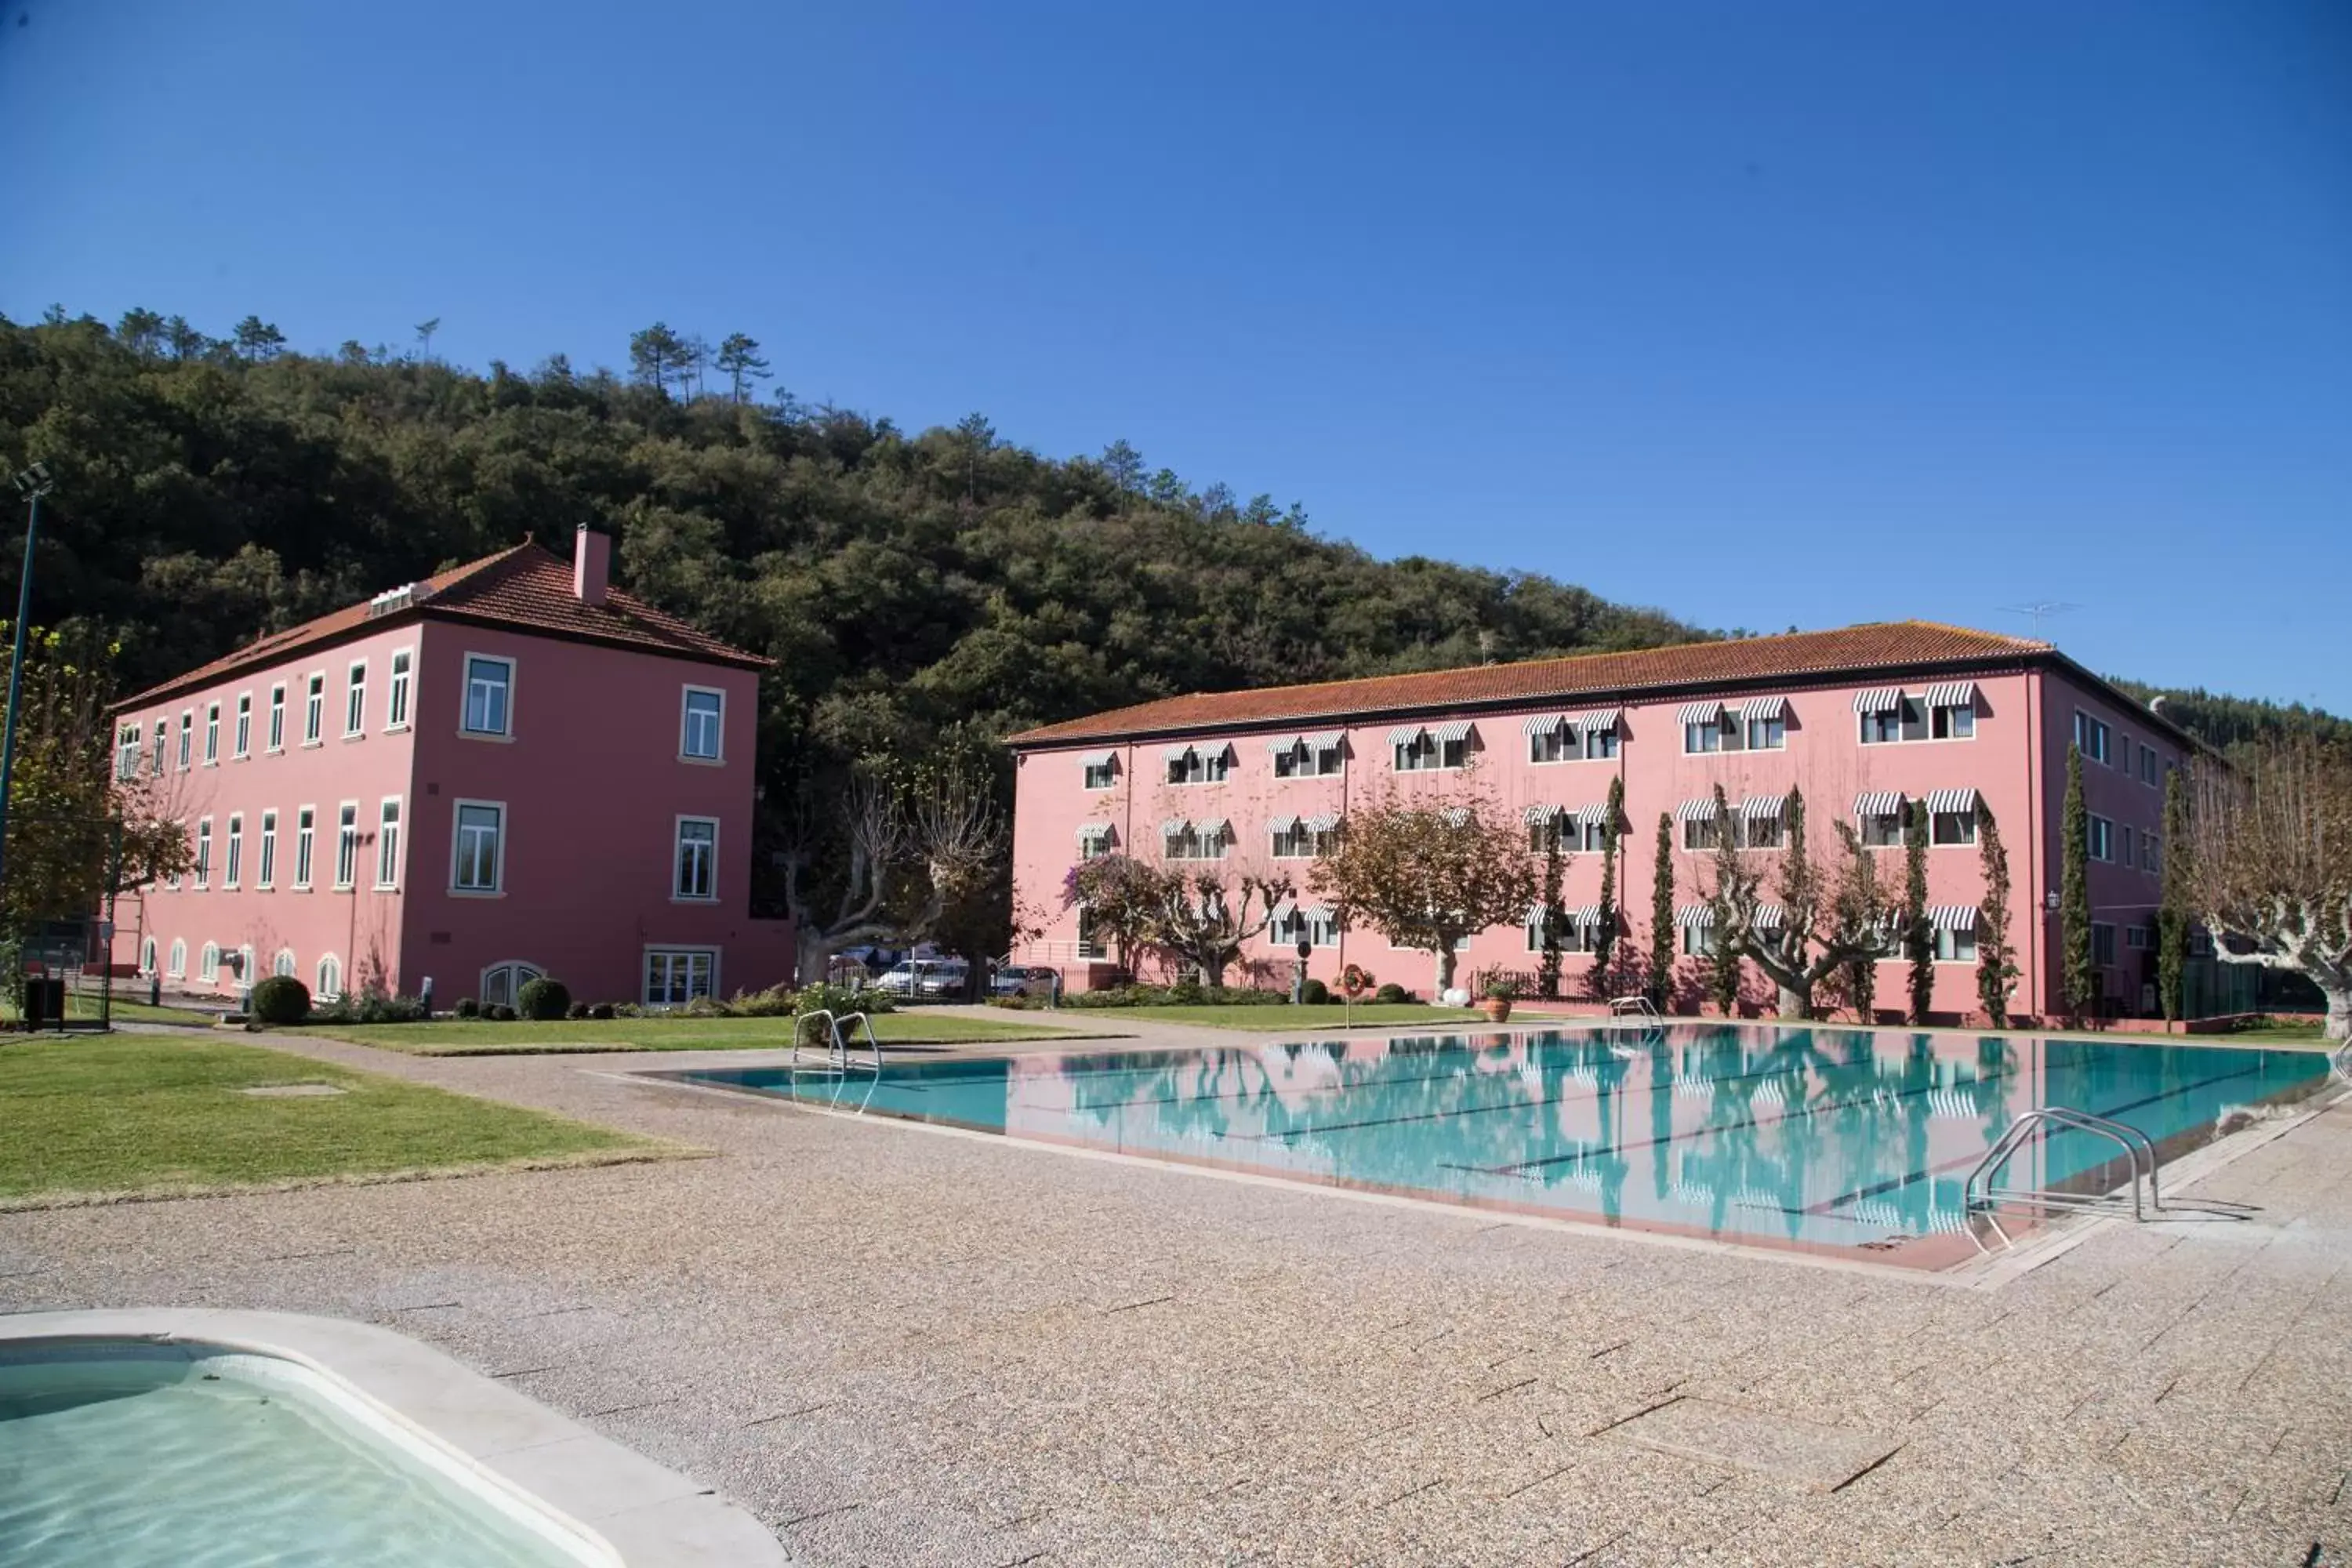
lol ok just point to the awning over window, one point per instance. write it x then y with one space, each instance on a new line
1765 708
1280 825
1887 700
1454 816
1770 917
1943 800
1694 917
1598 718
1321 822
1583 915
1405 734
1211 828
1324 740
1952 694
1174 826
1545 723
1099 760
1879 803
1700 810
1952 916
1699 714
1459 730
1764 806
1095 832
1179 753
1536 815
1277 745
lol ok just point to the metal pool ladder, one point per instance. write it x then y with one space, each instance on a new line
839 1042
1978 1195
2339 1062
1633 1007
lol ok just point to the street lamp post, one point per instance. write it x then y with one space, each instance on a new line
34 483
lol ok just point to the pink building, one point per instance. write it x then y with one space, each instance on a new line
504 771
1862 719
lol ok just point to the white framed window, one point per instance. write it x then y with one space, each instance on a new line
2151 859
2139 937
702 723
2103 943
347 844
329 978
1198 764
306 832
2091 737
266 870
1299 838
676 975
1707 727
314 708
1310 757
477 846
2151 767
1090 940
283 965
244 737
1192 841
1768 732
187 731
203 851
1955 946
396 700
1881 819
1316 927
179 969
696 875
2102 838
2130 857
147 956
1954 722
490 695
1600 742
1098 771
1556 743
126 752
1576 935
503 982
234 862
208 964
1095 839
163 740
277 717
387 843
1445 748
212 733
1948 828
1763 832
355 698
244 961
1703 832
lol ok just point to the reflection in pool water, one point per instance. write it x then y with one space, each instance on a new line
1816 1137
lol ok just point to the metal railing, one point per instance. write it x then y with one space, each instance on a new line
1979 1196
2339 1062
1634 1007
838 1043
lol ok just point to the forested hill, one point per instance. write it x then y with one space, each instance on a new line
911 586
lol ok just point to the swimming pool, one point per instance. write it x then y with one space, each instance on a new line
1817 1139
128 1453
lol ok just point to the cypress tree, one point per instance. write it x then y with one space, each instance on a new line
2081 976
1604 943
1547 971
1996 960
2172 914
1919 935
1662 917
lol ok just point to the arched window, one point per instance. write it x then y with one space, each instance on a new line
501 981
208 965
245 964
147 956
179 957
284 965
329 977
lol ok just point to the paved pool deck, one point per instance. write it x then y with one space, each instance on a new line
897 1345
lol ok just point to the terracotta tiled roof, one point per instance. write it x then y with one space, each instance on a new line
525 588
1878 646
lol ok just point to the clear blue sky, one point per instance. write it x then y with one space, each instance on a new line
1766 313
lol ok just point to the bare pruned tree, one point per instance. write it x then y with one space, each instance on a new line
1813 925
2270 872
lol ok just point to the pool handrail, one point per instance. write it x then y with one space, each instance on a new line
1636 1006
837 1047
2339 1062
1978 1195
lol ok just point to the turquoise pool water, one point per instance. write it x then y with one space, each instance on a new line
127 1454
1814 1138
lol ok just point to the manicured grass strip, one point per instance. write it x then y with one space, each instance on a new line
92 1118
1283 1020
124 1012
459 1038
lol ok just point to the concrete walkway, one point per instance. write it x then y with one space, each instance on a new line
902 1346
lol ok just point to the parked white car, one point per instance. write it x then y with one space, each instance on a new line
918 977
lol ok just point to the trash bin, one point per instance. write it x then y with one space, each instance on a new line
45 1003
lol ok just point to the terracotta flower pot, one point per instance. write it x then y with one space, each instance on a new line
1498 1009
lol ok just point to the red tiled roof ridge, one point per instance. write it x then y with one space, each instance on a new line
473 590
1811 652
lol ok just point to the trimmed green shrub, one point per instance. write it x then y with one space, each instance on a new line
839 999
602 1012
1315 993
1391 994
371 1008
467 1007
280 999
1187 993
499 1012
544 999
577 1010
776 1002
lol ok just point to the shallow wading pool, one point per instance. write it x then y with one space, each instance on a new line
1837 1140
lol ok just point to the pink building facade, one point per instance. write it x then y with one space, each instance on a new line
506 771
1863 720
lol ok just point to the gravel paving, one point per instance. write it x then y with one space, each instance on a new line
899 1345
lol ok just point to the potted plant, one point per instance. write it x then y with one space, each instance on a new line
1501 992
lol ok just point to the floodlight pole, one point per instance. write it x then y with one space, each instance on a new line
34 482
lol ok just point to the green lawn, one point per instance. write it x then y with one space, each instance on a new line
105 1116
140 1012
1282 1019
464 1037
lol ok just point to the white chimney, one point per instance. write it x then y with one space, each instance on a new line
591 564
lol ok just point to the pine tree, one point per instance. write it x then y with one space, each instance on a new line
1723 976
738 359
2172 913
1918 935
1661 986
1996 960
657 355
2082 975
257 340
1604 941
